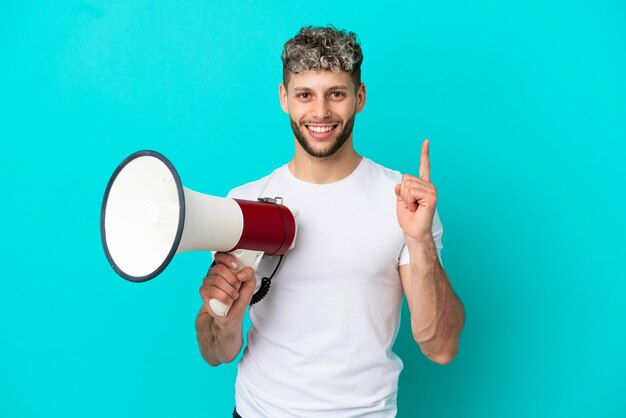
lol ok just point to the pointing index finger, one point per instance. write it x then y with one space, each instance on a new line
425 161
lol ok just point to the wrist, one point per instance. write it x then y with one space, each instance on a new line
226 340
420 241
225 326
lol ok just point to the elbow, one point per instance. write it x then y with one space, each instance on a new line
214 359
438 351
442 358
212 363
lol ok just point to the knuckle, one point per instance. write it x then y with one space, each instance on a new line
230 291
222 258
222 298
224 283
215 293
208 280
221 269
219 280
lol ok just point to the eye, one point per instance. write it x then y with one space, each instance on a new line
337 94
303 95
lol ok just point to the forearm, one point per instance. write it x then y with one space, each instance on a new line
437 314
218 343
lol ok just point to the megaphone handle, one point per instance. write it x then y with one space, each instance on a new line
245 258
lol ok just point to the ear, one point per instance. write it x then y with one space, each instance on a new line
360 98
282 92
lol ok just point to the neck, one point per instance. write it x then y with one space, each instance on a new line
324 170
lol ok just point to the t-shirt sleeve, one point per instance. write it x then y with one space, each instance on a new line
437 233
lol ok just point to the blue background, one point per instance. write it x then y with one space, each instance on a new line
525 107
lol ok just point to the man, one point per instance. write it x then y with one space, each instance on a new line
320 342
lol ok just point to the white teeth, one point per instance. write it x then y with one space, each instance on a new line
320 129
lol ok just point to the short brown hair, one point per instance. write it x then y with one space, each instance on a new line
323 48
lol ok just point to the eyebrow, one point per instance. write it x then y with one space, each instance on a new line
337 87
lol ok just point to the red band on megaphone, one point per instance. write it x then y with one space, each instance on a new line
267 227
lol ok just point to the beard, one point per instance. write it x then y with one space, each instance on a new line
341 139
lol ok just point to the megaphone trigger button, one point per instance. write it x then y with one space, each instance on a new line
278 200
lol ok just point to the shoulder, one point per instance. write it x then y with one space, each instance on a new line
254 189
380 173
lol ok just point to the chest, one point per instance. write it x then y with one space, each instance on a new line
343 235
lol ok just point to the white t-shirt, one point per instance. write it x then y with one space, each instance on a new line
320 342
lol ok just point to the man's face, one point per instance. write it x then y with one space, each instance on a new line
322 105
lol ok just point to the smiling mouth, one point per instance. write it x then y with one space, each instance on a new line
321 129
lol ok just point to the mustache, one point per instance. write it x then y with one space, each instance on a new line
322 122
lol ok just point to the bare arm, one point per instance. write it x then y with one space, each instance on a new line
437 314
220 338
218 344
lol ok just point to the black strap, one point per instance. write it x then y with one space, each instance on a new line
265 285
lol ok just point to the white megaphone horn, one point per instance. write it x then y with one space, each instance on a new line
148 216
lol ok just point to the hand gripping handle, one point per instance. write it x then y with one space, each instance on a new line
245 258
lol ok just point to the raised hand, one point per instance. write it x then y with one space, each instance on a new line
416 199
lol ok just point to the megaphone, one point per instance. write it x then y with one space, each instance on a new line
147 217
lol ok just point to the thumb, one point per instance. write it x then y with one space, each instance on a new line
397 190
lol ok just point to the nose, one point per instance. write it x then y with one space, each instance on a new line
321 109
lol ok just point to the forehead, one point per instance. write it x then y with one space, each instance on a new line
320 80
